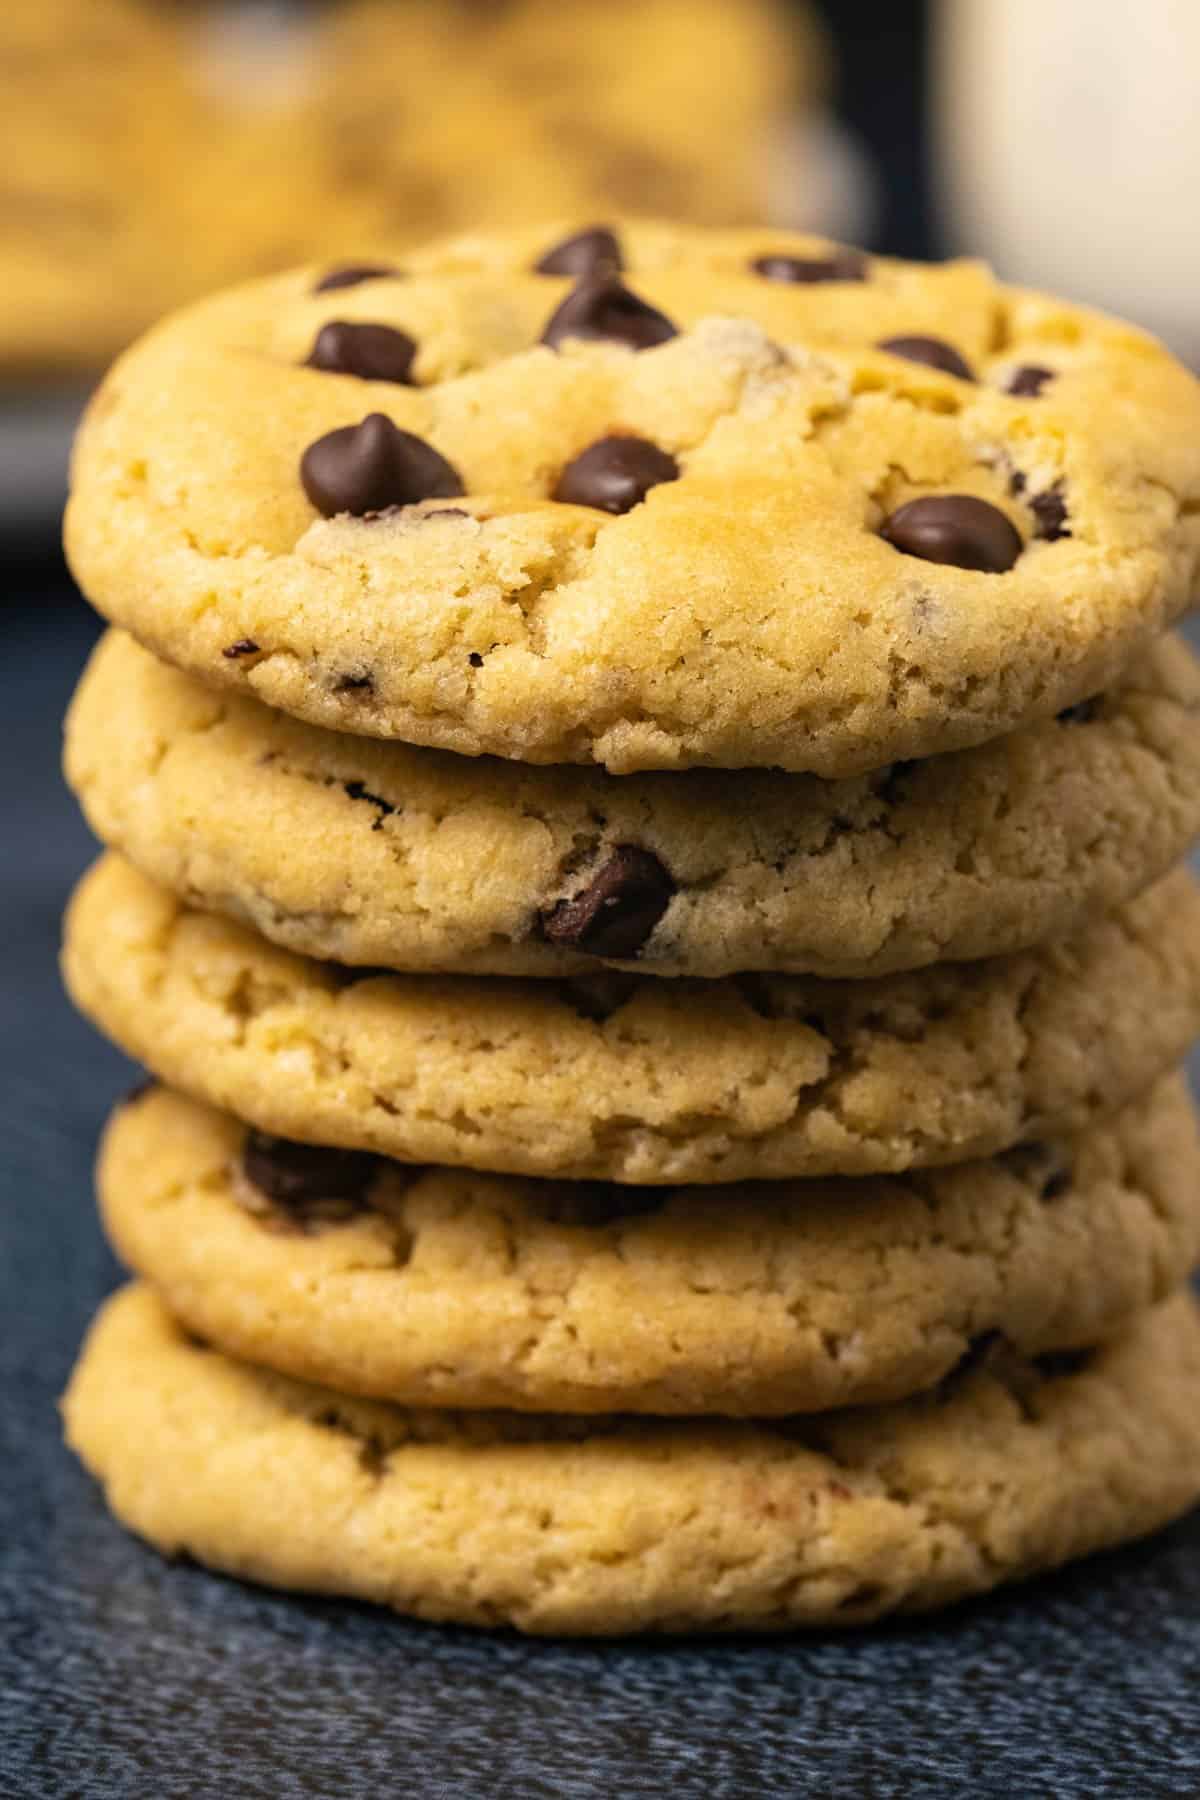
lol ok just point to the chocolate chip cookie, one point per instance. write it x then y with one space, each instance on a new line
636 1080
607 1525
387 856
443 1288
717 502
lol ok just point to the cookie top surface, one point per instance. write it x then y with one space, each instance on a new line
610 1525
710 522
436 1287
636 1080
389 856
154 153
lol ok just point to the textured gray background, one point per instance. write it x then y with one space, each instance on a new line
122 1676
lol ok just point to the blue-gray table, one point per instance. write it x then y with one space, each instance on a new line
125 1678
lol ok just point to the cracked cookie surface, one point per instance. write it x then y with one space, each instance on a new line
789 600
635 1080
389 856
442 1288
611 1525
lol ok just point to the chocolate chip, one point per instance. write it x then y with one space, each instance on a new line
369 467
840 265
601 307
1081 714
591 252
357 790
1054 1365
372 352
1050 511
307 1180
1029 381
618 909
935 353
353 684
957 529
243 647
475 660
615 474
353 275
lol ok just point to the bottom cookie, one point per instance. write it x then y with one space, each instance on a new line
610 1525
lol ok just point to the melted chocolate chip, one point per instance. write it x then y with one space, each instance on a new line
615 474
956 529
617 911
372 352
601 307
592 252
243 647
1083 713
357 790
1029 381
840 265
307 1180
1050 511
353 275
370 467
935 353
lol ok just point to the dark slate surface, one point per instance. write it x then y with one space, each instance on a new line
122 1676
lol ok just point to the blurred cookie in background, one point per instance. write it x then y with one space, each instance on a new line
155 151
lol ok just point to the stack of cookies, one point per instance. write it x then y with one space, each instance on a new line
642 776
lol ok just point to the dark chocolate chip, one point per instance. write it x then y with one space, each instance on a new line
305 1179
1081 714
1054 1365
475 660
840 265
592 252
370 467
615 474
957 529
353 275
1029 381
619 908
935 353
243 647
372 352
357 790
601 307
353 684
1050 511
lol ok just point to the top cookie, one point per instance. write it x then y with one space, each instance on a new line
700 514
